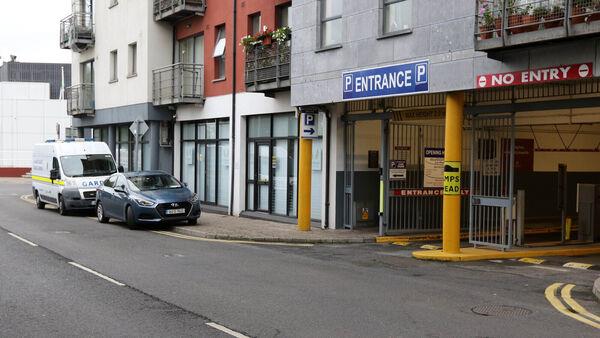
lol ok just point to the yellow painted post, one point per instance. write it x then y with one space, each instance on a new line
304 184
453 157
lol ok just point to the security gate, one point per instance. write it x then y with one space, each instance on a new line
415 179
492 220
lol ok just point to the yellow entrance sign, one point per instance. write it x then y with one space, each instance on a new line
452 178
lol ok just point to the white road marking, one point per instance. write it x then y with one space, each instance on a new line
22 239
226 330
97 274
548 268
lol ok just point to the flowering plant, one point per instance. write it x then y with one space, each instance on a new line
282 34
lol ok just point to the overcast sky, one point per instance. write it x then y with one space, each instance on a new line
29 30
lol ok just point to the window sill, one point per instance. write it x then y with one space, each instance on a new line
113 5
328 48
113 81
131 75
219 80
394 34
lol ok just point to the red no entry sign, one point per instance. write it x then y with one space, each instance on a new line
532 76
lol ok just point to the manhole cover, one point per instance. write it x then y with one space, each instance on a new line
501 311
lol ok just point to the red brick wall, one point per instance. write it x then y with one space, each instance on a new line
220 12
13 172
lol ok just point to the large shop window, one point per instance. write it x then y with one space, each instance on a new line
126 149
205 160
272 166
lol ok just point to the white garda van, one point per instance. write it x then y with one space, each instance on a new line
67 173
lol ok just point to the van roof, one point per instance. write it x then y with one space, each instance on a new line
78 148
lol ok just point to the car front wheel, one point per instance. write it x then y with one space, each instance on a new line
100 213
130 219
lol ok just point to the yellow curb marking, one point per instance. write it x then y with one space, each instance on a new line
193 238
557 304
430 247
401 243
531 260
566 295
575 265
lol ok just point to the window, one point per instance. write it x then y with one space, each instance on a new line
219 53
191 50
205 160
331 22
132 64
114 66
283 15
397 15
87 72
254 24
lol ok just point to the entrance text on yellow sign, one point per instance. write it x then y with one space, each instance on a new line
452 171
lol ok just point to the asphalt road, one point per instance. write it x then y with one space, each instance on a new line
174 286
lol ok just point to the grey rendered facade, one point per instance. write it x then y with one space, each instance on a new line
445 34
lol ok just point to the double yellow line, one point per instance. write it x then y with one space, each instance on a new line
570 307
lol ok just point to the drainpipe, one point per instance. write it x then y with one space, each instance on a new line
233 110
327 167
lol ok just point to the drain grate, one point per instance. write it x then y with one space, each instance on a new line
501 311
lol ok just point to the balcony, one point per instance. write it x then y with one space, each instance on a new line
178 84
80 100
77 32
268 68
513 23
174 10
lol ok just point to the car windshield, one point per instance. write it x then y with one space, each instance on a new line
153 182
88 165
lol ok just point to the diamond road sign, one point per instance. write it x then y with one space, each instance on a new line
139 128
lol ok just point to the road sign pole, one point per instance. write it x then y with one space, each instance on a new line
308 131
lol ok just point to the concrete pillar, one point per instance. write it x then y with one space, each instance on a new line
154 138
453 157
112 140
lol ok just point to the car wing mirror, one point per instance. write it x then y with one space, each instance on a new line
121 169
121 189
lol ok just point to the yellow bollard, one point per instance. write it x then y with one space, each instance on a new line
304 184
453 157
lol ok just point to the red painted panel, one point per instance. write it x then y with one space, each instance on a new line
13 172
220 12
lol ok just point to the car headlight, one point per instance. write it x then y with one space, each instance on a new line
144 203
194 198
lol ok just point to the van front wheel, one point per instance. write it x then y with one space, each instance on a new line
62 208
38 201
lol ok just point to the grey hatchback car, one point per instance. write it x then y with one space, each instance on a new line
146 197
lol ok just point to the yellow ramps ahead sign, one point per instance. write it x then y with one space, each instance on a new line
452 178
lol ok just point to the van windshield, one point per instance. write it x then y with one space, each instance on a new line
88 165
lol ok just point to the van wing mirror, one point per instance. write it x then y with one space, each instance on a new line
54 174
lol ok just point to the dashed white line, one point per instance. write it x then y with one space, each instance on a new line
22 239
226 330
548 268
97 274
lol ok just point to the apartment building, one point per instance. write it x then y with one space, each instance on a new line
387 72
116 45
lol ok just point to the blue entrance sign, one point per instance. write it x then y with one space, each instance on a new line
403 79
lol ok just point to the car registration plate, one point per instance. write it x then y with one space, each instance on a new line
175 211
93 202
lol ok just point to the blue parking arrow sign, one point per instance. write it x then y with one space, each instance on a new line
309 126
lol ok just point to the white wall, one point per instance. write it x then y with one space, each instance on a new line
27 116
129 22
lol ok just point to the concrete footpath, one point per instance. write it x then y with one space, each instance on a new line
215 226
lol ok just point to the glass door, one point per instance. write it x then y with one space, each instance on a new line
263 177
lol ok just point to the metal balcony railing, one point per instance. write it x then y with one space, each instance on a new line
80 99
505 23
179 83
268 67
173 10
77 32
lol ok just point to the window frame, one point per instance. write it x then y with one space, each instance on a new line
82 66
197 142
279 9
251 18
383 5
113 3
322 21
221 59
114 66
132 60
